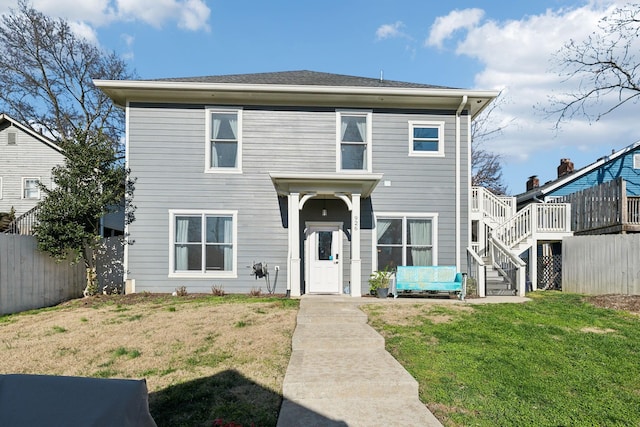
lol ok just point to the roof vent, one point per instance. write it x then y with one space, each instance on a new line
12 136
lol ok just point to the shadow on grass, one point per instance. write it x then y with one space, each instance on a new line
228 396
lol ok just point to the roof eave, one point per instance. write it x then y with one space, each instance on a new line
122 91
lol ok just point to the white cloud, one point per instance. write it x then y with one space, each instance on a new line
85 31
190 15
445 26
517 57
388 31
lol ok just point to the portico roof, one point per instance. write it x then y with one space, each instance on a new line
325 183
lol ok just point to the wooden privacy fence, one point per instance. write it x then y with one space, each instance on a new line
31 279
604 264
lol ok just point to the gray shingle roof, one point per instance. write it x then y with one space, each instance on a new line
303 78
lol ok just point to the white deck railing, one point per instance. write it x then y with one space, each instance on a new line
534 219
498 208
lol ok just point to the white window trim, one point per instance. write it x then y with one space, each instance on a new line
404 215
431 124
359 113
207 158
233 274
636 161
24 179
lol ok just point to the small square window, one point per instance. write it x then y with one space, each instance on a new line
426 138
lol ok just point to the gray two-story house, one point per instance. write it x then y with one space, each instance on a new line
324 178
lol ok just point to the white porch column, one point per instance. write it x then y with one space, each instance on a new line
293 278
356 273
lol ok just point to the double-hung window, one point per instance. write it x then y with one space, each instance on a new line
224 140
354 141
406 240
203 243
30 188
426 139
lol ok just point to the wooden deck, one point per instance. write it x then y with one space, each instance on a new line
604 209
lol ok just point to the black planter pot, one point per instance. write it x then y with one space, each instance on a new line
383 292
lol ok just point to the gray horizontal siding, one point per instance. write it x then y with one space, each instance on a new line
166 154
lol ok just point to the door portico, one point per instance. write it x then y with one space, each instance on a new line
300 188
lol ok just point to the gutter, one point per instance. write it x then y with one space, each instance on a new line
458 198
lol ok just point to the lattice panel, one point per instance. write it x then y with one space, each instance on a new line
550 272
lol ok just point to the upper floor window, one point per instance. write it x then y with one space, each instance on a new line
224 141
426 138
203 243
354 141
636 161
30 189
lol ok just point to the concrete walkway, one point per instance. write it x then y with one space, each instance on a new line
340 374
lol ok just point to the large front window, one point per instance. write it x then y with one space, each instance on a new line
405 240
354 141
224 151
203 243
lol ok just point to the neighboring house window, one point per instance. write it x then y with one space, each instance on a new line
12 137
354 141
636 161
426 139
203 243
224 141
405 240
30 189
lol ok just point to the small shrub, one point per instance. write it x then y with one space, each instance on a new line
217 290
255 292
171 309
181 291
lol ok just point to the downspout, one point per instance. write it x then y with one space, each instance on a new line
458 188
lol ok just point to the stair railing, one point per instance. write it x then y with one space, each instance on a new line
498 208
509 265
25 223
476 268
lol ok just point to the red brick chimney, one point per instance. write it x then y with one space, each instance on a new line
533 182
565 168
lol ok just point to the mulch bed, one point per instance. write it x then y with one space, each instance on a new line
630 303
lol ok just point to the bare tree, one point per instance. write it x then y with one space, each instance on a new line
605 65
486 166
46 73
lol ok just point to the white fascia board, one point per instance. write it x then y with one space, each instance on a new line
122 91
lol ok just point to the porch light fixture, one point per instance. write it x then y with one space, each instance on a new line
324 208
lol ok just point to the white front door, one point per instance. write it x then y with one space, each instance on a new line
324 259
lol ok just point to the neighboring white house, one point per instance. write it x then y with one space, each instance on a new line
26 158
323 177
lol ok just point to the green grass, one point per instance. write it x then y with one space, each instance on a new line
555 361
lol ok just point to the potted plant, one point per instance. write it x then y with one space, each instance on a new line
379 283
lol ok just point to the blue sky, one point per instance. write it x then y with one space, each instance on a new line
498 45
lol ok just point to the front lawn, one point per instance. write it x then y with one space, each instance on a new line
554 361
203 357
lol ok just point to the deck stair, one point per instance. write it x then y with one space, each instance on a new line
507 234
